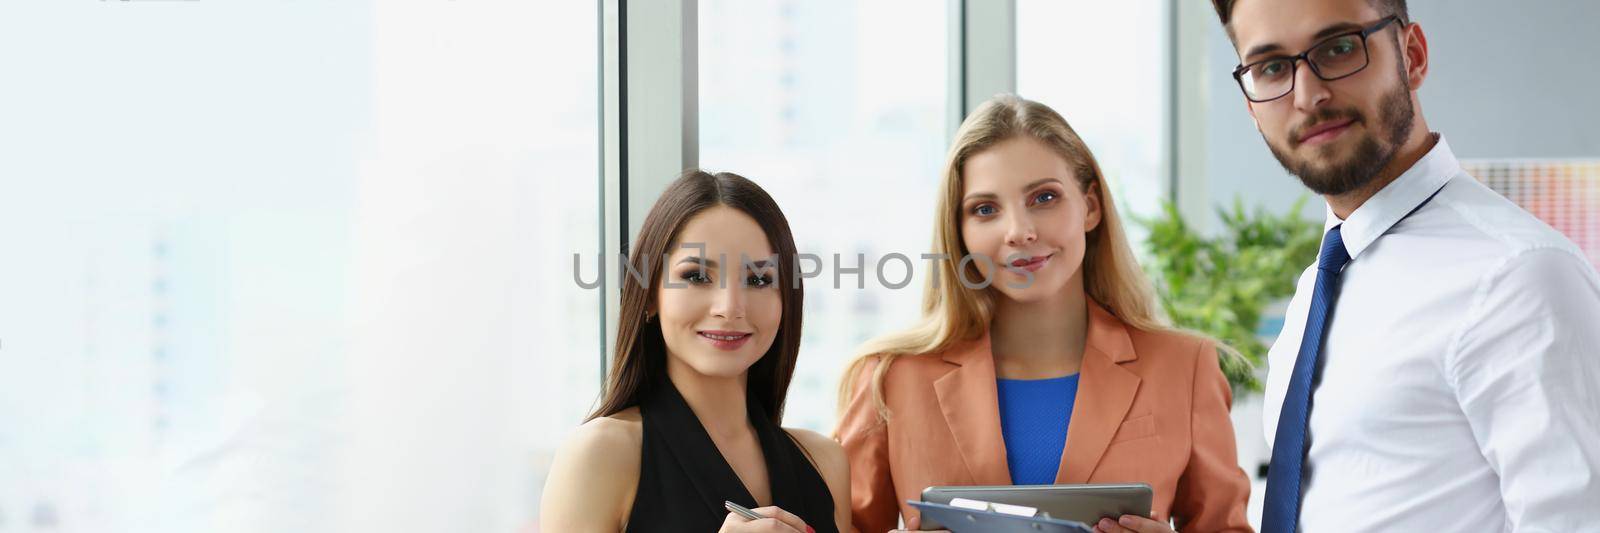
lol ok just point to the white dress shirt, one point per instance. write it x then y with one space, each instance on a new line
1460 388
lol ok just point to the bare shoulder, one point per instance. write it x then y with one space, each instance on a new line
594 476
612 434
815 443
829 458
825 453
629 416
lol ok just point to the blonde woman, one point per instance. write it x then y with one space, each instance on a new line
1041 356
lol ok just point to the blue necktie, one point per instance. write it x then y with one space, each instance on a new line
1281 511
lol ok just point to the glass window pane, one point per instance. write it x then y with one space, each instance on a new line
292 266
837 108
1103 66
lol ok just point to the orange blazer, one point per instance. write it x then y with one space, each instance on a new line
1151 407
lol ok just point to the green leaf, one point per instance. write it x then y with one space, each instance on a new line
1219 285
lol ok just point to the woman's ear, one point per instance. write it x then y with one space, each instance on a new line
1092 203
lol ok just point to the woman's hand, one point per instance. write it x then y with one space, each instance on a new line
913 524
1131 523
777 521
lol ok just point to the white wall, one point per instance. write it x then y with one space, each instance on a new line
1513 79
293 266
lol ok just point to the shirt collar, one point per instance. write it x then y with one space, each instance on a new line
1396 200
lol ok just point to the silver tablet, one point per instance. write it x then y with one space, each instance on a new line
963 520
1081 503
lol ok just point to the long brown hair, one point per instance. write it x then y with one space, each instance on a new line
952 313
639 362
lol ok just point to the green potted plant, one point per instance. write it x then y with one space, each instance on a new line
1220 285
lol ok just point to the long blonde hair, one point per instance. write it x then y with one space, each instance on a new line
951 313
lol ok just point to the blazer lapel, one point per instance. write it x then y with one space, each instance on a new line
1105 393
972 410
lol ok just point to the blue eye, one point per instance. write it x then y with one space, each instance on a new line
983 210
1044 197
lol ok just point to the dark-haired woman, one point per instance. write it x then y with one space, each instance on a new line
706 345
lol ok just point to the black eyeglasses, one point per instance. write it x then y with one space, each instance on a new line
1336 57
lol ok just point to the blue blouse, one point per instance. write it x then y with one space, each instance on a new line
1034 414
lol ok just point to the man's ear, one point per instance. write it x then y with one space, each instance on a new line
1251 106
1414 52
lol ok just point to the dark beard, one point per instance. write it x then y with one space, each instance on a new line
1339 177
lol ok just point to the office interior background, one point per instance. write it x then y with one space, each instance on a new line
309 266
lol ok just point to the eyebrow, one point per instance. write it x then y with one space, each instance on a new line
991 196
712 263
1342 27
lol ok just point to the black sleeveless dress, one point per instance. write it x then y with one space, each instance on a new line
683 479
